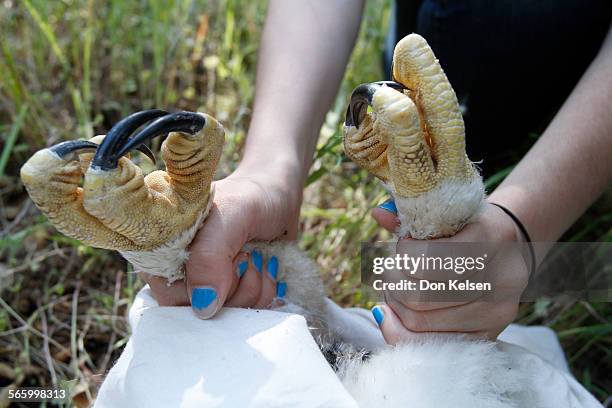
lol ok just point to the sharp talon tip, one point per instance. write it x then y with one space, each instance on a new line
118 141
66 148
185 122
361 98
107 155
144 149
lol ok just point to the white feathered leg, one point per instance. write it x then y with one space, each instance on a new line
305 293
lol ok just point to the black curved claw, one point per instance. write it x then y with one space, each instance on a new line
65 148
144 149
361 98
106 156
186 122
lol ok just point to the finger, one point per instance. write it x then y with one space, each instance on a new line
249 286
210 270
176 294
420 300
467 318
416 67
386 216
239 265
269 277
390 325
167 294
395 332
281 291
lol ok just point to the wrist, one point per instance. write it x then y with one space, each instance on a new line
276 178
530 257
516 200
280 147
281 173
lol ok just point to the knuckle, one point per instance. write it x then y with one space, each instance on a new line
416 321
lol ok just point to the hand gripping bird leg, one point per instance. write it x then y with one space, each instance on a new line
414 141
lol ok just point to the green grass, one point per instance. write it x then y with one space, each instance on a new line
70 69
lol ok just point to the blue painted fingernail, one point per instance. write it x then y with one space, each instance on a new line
257 260
389 205
378 314
273 267
242 267
204 302
281 289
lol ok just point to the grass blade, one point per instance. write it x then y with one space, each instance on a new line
12 137
47 31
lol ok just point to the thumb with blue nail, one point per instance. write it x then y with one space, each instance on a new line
386 215
247 206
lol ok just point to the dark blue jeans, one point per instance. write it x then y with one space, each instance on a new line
511 62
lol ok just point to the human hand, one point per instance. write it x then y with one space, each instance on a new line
248 205
401 318
413 139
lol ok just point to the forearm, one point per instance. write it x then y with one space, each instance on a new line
570 165
304 51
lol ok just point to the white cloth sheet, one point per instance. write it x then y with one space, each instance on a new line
261 358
